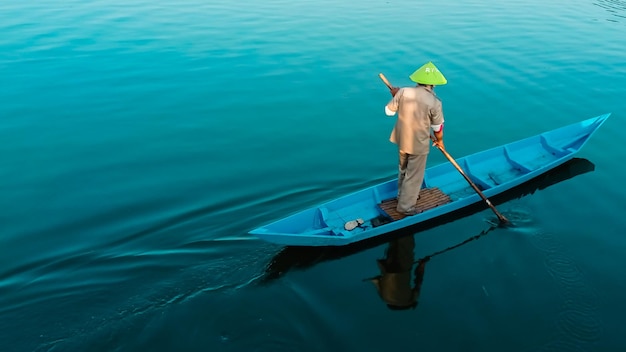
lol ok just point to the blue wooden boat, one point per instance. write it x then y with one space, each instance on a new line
444 190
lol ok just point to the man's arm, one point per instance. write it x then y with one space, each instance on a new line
392 107
438 132
436 123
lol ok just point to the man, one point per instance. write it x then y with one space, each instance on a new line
419 110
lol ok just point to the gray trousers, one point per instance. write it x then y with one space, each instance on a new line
410 177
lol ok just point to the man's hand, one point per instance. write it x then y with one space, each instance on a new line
438 139
394 91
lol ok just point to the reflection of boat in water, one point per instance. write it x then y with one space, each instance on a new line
302 257
371 212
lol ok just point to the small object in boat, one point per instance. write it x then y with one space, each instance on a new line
353 224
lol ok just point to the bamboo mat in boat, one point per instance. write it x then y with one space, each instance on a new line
429 198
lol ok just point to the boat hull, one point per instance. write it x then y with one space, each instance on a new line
494 171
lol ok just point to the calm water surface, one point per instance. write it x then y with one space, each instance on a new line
140 142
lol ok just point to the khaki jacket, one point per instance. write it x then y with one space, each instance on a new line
418 108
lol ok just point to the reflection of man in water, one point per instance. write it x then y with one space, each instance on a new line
394 282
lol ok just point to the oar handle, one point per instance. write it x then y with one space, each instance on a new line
385 80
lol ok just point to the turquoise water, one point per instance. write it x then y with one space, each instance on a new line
141 141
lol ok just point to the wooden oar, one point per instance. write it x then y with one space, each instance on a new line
501 217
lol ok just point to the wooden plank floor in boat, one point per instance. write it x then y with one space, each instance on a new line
429 198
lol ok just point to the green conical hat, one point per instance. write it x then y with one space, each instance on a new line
428 74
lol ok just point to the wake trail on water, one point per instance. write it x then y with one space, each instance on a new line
147 300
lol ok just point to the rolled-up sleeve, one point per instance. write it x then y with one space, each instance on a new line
436 114
392 107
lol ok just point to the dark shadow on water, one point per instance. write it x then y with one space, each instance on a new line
296 257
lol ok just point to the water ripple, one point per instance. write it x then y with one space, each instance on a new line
578 322
580 326
617 9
